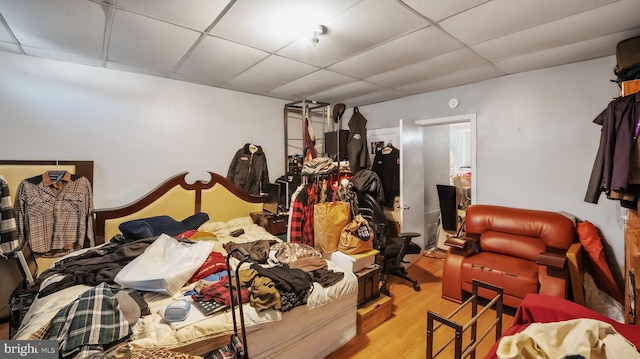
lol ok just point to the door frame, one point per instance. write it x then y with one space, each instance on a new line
472 119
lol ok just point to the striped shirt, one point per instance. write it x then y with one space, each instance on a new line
8 229
55 215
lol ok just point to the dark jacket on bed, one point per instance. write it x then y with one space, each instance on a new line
95 266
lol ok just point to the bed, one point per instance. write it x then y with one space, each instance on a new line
314 330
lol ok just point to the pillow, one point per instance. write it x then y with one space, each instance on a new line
155 226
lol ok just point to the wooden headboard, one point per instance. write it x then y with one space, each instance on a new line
176 198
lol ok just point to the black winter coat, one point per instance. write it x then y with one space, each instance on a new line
249 171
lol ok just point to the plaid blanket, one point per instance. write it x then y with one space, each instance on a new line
85 325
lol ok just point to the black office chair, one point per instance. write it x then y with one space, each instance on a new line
392 250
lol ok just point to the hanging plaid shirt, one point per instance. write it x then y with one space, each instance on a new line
8 229
55 215
307 226
89 322
296 215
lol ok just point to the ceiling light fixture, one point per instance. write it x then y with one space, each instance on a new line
319 30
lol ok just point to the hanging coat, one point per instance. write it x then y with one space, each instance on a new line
248 171
357 147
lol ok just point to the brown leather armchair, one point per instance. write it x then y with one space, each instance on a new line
519 250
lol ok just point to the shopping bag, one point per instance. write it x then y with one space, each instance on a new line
165 266
329 219
356 237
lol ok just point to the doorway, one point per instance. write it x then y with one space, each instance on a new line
448 147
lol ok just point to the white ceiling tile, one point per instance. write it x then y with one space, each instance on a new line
312 83
589 49
500 17
63 56
565 31
135 69
436 10
383 94
465 76
4 34
414 47
360 27
197 14
433 67
73 26
144 42
216 60
350 90
271 73
9 47
270 25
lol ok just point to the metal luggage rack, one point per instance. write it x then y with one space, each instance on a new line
470 348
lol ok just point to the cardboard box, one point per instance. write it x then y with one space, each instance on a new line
373 314
354 262
368 284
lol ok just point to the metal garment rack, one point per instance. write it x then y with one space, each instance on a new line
470 348
316 112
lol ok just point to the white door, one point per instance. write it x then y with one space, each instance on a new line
412 180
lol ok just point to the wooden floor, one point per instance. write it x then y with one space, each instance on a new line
404 334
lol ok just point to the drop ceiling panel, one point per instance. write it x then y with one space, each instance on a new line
270 25
4 34
408 49
500 17
469 75
147 43
436 10
198 14
458 60
576 28
73 26
389 47
381 95
312 83
353 89
589 49
359 28
9 47
215 61
271 73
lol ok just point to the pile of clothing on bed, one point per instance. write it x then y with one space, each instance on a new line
113 280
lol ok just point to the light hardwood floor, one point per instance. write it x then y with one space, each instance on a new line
404 334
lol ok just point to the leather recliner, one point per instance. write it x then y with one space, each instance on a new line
520 250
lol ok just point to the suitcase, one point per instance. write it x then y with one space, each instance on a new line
627 60
236 349
18 270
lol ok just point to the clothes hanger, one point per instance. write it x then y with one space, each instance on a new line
252 148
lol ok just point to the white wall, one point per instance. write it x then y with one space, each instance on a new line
536 143
138 129
535 140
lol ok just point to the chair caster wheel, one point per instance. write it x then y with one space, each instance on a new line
416 287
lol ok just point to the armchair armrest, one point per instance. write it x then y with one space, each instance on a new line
460 242
550 259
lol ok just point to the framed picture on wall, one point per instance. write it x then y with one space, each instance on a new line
381 137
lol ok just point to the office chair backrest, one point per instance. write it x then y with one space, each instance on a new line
372 211
449 200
